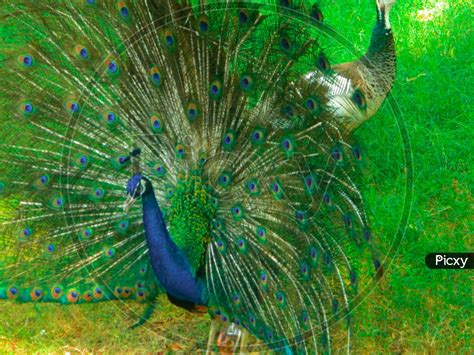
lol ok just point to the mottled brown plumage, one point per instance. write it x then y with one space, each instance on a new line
375 72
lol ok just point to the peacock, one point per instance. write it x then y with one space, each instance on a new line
198 149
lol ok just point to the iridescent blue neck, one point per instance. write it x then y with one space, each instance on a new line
169 263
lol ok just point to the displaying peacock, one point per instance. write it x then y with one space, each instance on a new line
228 123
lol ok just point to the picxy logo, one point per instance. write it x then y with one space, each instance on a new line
450 260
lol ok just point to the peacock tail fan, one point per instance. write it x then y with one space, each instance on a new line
232 105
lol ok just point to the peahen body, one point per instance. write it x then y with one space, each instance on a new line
226 121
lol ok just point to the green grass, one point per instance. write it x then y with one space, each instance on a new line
413 309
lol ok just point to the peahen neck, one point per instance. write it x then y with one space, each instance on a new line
169 262
381 52
379 63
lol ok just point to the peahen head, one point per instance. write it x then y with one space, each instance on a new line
384 7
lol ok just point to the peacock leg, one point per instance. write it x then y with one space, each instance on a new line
212 336
146 315
244 340
259 348
227 340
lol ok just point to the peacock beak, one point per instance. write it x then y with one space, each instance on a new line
129 202
134 196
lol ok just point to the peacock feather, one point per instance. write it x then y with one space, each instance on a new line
236 130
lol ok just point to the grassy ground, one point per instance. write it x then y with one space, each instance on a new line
414 309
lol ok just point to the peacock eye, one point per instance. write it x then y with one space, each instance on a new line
322 63
285 44
359 99
316 13
83 53
112 67
243 16
203 24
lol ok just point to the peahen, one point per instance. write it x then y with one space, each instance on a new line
227 122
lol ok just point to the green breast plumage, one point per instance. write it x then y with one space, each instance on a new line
189 219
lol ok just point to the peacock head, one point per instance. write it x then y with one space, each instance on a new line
136 187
